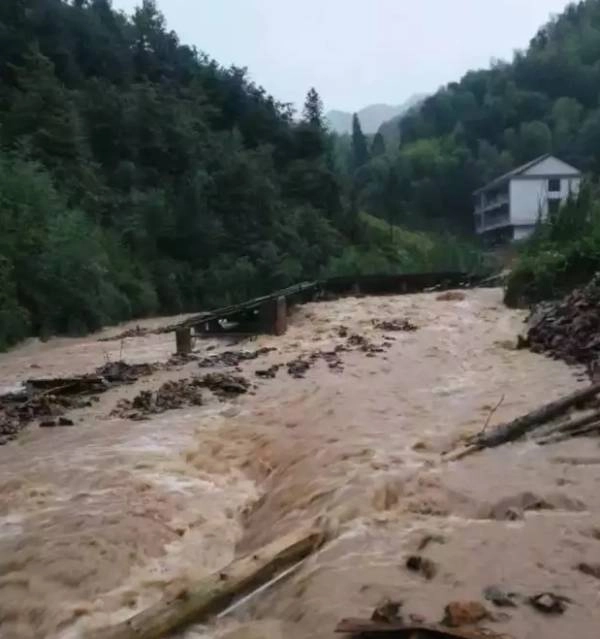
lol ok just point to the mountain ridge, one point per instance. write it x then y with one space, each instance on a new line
371 117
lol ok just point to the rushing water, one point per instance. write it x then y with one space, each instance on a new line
100 520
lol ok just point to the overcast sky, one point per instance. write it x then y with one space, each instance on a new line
355 52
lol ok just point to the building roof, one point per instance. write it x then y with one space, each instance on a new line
515 172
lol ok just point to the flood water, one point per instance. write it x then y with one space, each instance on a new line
102 519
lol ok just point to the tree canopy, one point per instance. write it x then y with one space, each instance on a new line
139 176
545 100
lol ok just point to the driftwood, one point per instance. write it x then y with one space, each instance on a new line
214 593
67 386
569 434
369 628
526 423
573 424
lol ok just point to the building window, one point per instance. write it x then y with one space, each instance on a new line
554 185
553 206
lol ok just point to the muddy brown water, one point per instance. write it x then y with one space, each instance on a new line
100 520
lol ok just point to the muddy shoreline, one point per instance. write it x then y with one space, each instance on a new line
101 519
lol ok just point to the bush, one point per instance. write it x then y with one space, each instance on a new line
563 253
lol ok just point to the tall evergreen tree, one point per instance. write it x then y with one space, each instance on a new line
378 145
360 151
313 109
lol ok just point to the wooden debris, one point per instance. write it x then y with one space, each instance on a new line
170 396
369 628
49 398
224 385
268 373
451 296
592 570
214 593
570 434
83 384
569 329
233 358
526 423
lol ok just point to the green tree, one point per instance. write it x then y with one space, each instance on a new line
313 109
378 145
360 151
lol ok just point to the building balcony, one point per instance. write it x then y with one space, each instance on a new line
493 218
488 204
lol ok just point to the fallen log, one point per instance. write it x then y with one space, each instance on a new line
214 593
573 424
526 423
577 432
67 386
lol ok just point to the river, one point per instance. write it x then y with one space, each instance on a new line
100 520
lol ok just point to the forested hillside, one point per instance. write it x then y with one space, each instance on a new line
138 176
546 99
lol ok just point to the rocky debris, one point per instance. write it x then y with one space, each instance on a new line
136 331
48 399
464 613
170 396
387 611
121 372
297 368
549 603
342 331
233 358
361 343
181 359
9 428
268 373
396 325
422 565
500 597
568 329
17 410
357 341
225 385
592 570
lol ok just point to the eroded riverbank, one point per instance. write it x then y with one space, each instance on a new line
99 520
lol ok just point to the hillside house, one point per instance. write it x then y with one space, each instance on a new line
508 208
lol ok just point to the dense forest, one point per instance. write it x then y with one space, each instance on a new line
545 100
138 176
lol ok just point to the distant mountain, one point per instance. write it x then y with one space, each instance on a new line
390 128
371 117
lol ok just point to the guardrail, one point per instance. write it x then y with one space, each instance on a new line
268 313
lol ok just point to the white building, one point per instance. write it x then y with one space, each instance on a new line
509 207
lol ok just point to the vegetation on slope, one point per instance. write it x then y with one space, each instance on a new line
545 100
564 252
138 176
